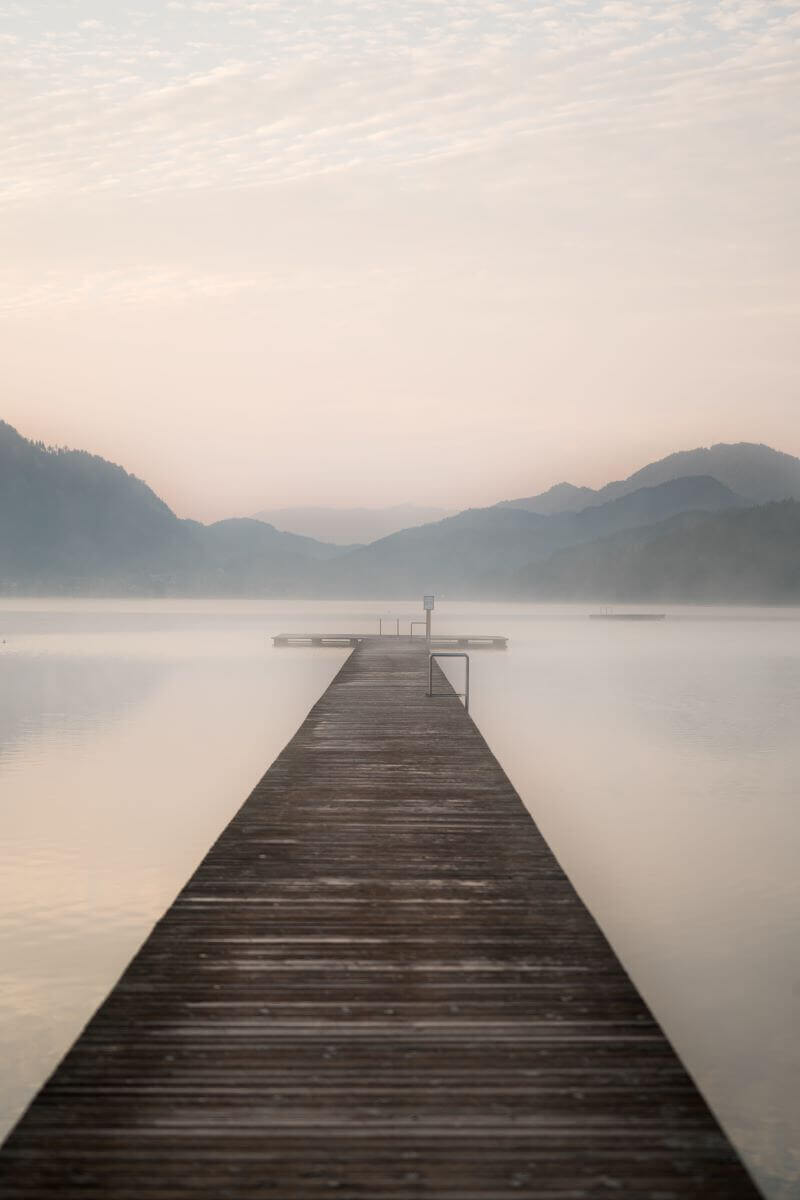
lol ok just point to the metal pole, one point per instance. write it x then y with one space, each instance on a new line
449 654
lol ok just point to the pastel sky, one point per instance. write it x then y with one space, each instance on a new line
350 251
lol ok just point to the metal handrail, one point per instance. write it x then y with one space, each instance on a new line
411 627
380 625
449 654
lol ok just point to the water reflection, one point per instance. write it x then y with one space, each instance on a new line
56 698
126 745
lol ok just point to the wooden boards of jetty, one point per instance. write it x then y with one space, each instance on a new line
377 984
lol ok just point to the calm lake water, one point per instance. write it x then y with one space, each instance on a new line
662 762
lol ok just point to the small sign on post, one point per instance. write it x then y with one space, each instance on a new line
427 604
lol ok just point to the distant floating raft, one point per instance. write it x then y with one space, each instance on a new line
626 616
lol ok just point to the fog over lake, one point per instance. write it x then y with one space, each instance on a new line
661 761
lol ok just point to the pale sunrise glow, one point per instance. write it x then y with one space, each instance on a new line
349 252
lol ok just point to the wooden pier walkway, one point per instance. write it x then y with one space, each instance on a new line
378 984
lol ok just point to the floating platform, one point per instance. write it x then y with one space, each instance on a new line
478 641
379 983
317 639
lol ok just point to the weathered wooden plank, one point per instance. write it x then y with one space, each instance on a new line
378 983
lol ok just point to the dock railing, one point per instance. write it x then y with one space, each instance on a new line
449 654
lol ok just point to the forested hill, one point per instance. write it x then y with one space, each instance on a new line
69 510
73 522
746 556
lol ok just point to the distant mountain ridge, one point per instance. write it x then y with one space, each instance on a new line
560 498
744 556
752 470
73 523
460 555
349 526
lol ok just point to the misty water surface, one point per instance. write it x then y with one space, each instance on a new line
662 762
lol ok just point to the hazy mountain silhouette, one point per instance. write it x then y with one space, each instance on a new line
755 472
560 498
69 512
462 555
71 521
349 526
749 555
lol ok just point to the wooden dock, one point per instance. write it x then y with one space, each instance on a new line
378 983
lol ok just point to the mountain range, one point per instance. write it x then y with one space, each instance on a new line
472 553
350 526
756 473
745 556
712 524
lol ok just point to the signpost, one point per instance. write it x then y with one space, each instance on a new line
427 604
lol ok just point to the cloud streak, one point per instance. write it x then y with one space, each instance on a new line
548 226
233 95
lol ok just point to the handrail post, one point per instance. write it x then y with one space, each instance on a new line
450 654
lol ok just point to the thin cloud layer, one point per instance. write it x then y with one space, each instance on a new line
538 200
226 94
